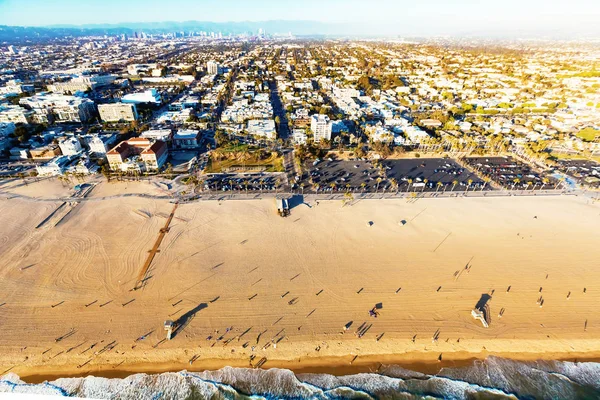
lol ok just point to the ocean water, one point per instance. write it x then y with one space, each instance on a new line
494 378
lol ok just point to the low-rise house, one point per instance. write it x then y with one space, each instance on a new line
262 128
299 136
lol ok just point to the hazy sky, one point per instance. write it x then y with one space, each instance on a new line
388 16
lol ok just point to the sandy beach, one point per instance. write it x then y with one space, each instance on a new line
245 282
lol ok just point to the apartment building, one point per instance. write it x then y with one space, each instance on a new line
320 125
116 112
213 68
16 114
70 146
48 107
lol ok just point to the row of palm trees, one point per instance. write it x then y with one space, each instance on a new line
394 185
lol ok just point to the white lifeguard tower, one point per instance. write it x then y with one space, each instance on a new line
169 325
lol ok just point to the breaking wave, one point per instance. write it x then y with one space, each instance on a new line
493 378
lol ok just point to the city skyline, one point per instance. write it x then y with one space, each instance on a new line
385 17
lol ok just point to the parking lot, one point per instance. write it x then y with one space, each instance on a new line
511 173
420 174
14 169
243 183
585 171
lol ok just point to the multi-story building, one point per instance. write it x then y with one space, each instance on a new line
186 139
116 112
61 108
82 83
98 145
320 125
213 68
16 114
138 154
70 146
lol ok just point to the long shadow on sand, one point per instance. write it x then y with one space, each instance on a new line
186 318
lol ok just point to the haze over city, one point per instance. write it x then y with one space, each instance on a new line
351 17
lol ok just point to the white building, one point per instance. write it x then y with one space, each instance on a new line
149 96
118 112
158 134
61 108
262 128
320 125
16 114
213 68
299 136
70 146
98 145
82 83
56 166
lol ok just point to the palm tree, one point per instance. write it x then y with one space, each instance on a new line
317 186
516 182
438 185
302 188
545 181
424 184
394 184
261 182
277 183
363 186
410 181
529 183
560 180
378 182
231 185
332 185
246 185
486 180
470 182
454 183
348 187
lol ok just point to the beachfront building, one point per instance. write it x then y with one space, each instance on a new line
137 154
117 112
54 167
263 128
320 125
98 145
70 146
